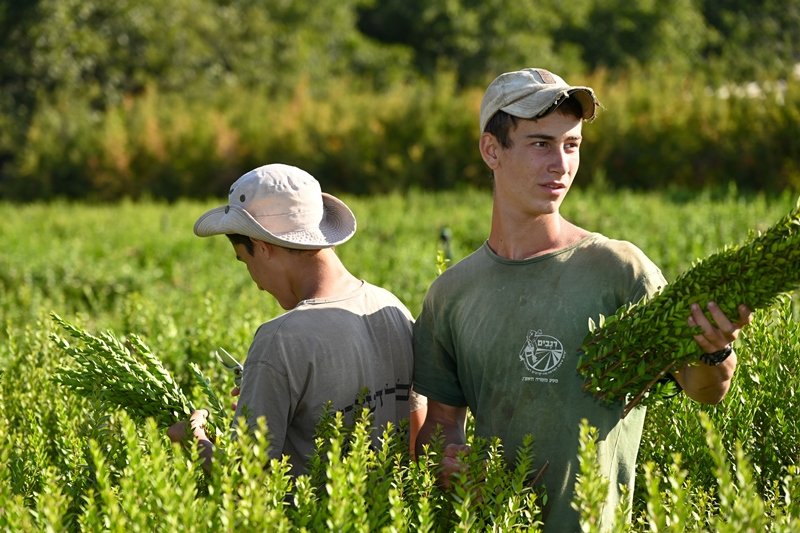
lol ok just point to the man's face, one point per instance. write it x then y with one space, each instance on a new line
268 268
534 174
256 264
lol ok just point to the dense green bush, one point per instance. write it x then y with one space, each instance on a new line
655 131
172 98
136 268
661 131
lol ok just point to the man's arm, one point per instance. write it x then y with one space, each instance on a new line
416 417
179 431
706 383
451 422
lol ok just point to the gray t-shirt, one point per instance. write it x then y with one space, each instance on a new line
327 350
502 337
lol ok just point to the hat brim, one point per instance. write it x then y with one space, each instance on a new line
541 101
338 224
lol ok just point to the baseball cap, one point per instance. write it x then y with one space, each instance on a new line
283 205
529 92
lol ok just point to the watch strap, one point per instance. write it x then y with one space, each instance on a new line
715 358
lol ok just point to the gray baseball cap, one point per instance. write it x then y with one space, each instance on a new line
529 92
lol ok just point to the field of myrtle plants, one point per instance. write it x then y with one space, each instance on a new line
131 280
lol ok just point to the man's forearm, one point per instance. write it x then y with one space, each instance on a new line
447 424
705 383
450 435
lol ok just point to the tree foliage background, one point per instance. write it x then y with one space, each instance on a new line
74 72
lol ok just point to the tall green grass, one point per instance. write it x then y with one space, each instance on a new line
136 268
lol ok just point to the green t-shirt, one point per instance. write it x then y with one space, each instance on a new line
502 337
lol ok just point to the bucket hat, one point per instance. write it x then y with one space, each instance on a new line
530 92
283 205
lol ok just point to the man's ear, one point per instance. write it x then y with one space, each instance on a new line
489 148
262 247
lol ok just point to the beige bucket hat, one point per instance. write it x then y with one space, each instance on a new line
282 205
529 92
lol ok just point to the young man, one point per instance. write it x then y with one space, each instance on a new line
539 275
340 336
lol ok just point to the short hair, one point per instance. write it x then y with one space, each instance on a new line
244 240
501 123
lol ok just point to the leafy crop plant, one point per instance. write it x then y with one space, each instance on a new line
126 374
628 353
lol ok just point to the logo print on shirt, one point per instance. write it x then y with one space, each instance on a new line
542 354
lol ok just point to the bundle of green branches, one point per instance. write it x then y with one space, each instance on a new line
627 354
126 375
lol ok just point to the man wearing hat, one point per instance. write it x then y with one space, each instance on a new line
340 337
499 332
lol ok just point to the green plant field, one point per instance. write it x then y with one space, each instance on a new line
136 268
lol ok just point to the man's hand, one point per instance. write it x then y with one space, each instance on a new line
179 432
198 421
235 392
451 463
715 337
450 422
705 383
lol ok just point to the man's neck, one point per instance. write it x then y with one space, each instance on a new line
532 237
324 277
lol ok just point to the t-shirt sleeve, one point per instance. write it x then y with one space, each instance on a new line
435 369
628 269
648 280
265 390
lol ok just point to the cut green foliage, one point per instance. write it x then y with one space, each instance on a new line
626 354
124 374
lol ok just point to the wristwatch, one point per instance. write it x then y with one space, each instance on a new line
713 359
